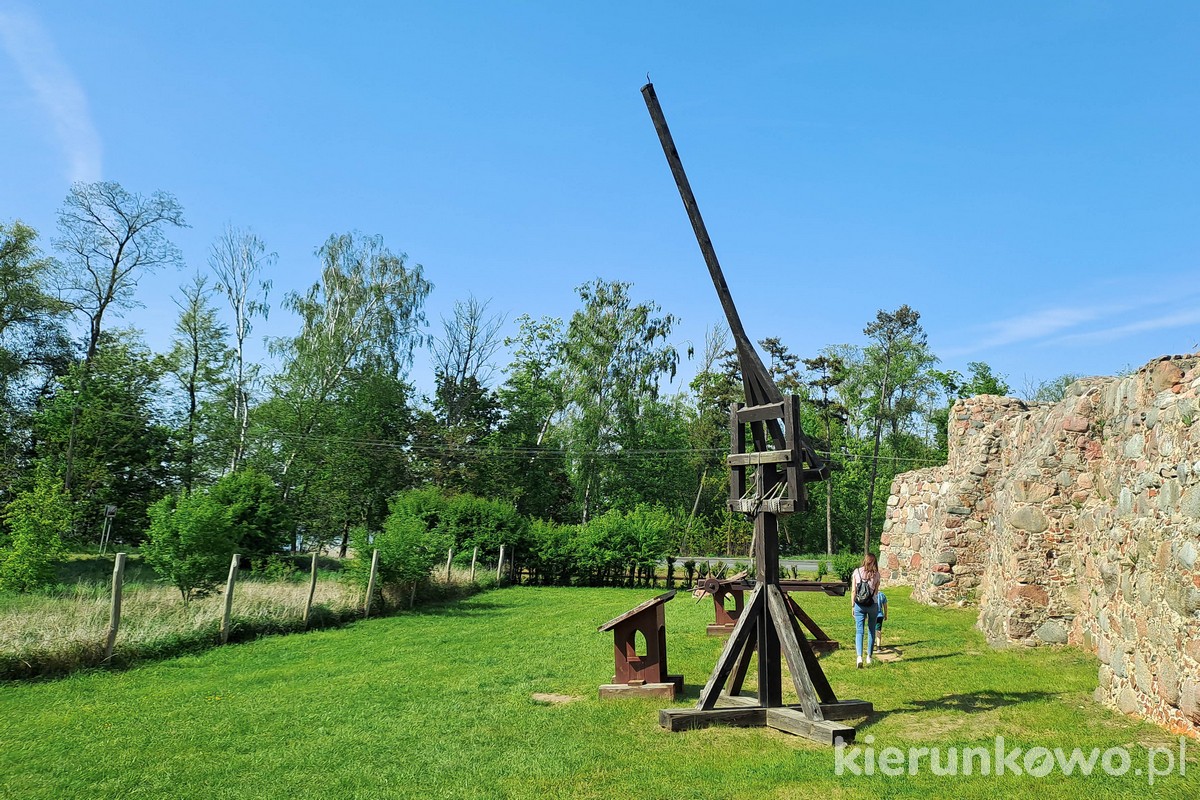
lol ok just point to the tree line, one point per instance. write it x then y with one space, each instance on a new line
564 420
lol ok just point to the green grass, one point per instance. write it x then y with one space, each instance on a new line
437 704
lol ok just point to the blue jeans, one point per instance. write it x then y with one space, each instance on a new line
864 615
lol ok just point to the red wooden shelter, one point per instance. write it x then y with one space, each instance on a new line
641 673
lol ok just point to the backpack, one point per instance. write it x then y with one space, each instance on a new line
863 596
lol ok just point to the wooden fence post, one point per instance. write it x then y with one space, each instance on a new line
449 559
312 590
474 554
371 582
233 571
500 564
114 618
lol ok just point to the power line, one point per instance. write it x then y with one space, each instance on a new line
533 451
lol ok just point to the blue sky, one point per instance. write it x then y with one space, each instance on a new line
1026 175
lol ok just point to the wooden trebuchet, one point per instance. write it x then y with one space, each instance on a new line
770 461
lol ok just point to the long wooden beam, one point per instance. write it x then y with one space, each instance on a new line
760 389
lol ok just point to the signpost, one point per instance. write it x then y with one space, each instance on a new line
110 511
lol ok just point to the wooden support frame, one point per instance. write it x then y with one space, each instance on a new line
725 619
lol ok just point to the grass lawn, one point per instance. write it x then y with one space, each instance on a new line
438 704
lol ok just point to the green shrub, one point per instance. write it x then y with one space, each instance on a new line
622 544
275 568
471 522
486 580
261 522
651 530
35 519
408 549
844 565
189 542
427 505
599 547
551 552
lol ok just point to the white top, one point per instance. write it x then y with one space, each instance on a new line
859 576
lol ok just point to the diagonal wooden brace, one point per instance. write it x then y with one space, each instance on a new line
785 628
738 640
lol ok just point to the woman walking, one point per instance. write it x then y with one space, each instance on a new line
864 586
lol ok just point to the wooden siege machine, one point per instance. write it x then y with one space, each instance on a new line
764 483
734 589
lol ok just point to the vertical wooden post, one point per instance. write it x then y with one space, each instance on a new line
114 618
500 564
449 559
766 556
312 590
474 555
371 582
233 571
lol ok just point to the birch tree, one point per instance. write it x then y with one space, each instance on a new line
615 353
359 323
239 260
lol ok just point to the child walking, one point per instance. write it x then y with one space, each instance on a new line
881 602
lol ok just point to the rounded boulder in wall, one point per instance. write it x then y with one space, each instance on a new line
1052 631
1029 518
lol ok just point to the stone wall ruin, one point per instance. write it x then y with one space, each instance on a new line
1072 523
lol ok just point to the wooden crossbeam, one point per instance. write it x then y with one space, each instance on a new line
798 723
843 709
785 718
687 719
760 413
751 459
783 505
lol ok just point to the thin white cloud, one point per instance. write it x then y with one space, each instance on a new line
1027 327
1053 326
1177 320
58 92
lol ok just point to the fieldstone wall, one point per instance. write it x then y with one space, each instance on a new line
1072 523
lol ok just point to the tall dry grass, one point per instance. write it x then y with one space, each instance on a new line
52 635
